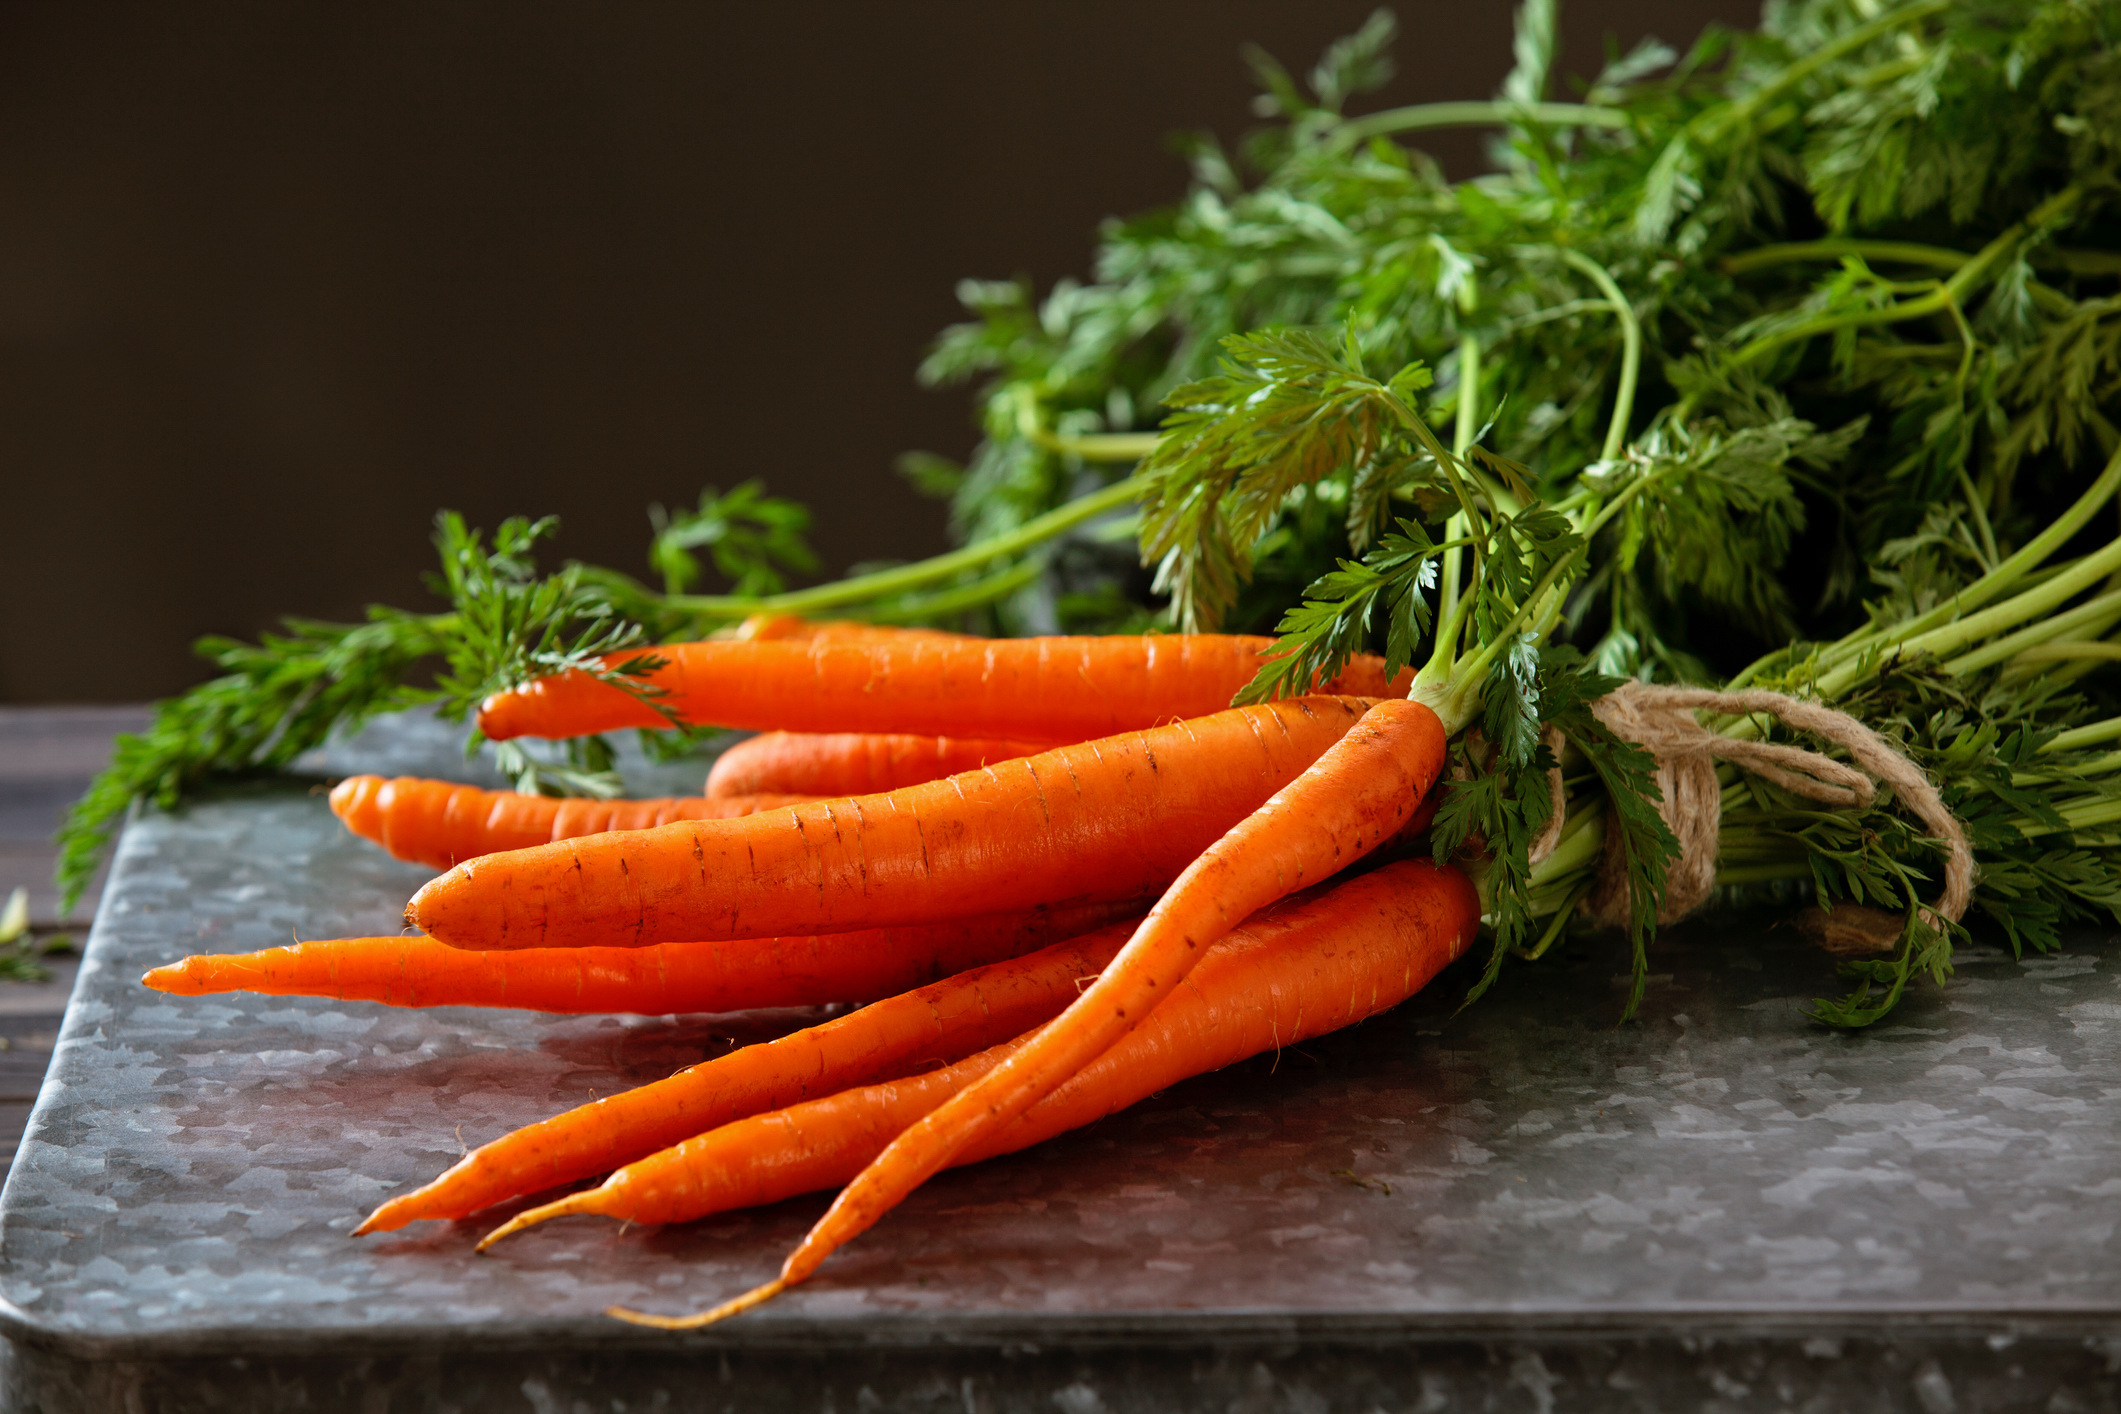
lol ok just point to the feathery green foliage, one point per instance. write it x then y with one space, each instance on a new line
1792 359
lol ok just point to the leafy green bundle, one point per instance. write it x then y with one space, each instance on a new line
1801 347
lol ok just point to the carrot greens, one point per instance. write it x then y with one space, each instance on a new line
1791 361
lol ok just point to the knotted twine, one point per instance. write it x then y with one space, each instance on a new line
1661 720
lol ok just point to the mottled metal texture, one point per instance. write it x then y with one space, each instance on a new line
1522 1206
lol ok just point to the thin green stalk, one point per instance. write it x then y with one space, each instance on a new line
2090 734
2077 815
1441 670
2063 652
1631 349
1560 920
1447 694
1974 508
1582 841
1096 446
1567 309
2031 639
863 588
2023 564
1453 467
1948 293
1462 434
2032 604
1904 252
2097 766
965 596
1487 113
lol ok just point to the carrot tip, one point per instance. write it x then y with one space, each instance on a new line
377 1221
757 1296
583 1202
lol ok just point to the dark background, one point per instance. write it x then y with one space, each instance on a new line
278 281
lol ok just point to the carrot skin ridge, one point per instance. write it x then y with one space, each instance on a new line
1100 820
442 824
1030 689
935 1024
1308 966
851 763
1355 797
861 966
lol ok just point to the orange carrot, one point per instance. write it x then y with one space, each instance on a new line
1307 967
674 977
1022 689
936 1024
1357 795
1104 819
439 824
850 763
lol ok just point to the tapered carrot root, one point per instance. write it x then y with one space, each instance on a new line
439 824
674 977
1310 966
1357 796
1023 689
851 763
1105 819
935 1024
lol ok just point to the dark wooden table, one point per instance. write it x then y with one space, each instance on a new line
47 757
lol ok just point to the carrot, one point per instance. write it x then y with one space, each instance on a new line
439 824
850 763
1358 794
674 977
1023 689
1106 819
935 1024
1309 966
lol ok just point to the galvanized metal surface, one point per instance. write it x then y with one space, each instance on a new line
1524 1205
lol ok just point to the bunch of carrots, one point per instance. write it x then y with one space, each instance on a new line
1062 874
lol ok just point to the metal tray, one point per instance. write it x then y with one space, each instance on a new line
1521 1205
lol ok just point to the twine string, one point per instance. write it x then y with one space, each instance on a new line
1661 720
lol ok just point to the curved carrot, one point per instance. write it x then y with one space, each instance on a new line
1024 689
439 824
1358 794
1305 968
850 763
674 977
937 1023
1104 819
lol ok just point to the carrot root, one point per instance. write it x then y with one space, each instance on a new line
1305 967
941 1022
851 763
1358 793
573 1204
1031 689
1102 820
860 966
757 1296
442 824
